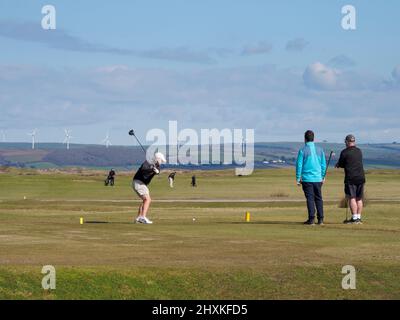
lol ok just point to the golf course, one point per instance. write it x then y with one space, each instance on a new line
200 246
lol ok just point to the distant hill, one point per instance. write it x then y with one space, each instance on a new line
268 155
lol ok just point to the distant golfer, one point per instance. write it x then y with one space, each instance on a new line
140 182
171 179
110 178
194 183
351 159
310 173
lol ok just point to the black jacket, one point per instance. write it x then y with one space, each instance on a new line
351 160
111 174
146 172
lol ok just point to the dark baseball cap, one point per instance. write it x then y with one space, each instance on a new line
350 138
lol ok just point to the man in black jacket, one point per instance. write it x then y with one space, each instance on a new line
140 182
351 160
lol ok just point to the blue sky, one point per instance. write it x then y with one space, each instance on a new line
280 67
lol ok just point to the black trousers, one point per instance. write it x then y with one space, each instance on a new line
313 193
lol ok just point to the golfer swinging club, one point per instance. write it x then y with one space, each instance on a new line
140 182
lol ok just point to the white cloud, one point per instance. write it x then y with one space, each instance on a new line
273 101
320 77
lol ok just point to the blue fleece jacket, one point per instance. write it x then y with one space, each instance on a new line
311 163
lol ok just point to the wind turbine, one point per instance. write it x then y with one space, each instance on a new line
106 141
33 135
3 136
68 137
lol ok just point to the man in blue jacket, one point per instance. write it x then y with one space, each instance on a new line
310 174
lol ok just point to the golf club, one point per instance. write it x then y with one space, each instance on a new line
132 133
329 162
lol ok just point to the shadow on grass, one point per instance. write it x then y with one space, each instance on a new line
107 222
267 222
289 223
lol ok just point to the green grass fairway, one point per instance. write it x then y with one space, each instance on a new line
216 256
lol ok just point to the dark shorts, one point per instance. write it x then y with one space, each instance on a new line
354 190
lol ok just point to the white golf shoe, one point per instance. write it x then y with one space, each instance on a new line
144 220
147 221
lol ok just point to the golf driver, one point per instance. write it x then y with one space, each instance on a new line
132 133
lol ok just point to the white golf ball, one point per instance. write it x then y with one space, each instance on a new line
24 198
194 219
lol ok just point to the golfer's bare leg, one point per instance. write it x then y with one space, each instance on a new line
353 206
146 205
360 206
140 211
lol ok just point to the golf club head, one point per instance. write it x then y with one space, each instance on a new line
131 132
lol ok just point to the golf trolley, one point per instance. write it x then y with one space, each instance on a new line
109 181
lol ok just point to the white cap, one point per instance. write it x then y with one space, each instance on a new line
159 157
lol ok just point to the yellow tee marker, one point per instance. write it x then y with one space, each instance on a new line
81 220
247 216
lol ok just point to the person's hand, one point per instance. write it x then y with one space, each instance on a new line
298 183
323 180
